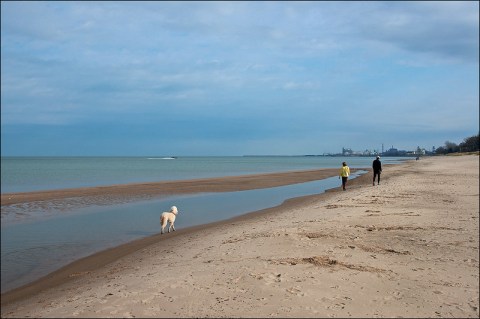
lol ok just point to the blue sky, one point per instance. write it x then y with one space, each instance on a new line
235 78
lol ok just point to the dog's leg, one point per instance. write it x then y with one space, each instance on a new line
163 224
173 227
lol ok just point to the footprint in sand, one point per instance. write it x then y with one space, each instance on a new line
296 291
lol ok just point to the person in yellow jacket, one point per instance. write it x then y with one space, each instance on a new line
344 173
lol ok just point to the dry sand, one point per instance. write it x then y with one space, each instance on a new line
406 248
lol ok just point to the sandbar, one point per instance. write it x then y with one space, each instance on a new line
162 188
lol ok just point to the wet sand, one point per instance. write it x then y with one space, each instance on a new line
408 247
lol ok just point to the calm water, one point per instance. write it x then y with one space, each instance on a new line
24 174
35 247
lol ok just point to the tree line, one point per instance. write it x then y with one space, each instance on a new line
469 144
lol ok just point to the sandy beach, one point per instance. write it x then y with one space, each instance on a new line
408 247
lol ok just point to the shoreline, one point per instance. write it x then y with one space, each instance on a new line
222 184
408 248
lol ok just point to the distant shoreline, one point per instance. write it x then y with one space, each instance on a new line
331 155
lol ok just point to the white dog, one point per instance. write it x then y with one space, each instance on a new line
168 217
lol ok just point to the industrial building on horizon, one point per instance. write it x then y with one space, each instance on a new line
390 152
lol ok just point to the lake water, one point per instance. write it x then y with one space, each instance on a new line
25 174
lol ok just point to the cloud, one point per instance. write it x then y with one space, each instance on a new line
440 29
240 71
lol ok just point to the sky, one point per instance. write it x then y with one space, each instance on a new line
218 78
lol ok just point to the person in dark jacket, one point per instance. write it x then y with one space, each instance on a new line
377 169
